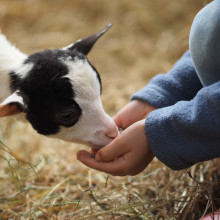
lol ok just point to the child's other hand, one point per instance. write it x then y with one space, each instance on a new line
128 154
132 112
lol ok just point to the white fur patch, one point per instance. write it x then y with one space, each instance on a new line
10 59
14 98
94 124
70 45
23 70
84 79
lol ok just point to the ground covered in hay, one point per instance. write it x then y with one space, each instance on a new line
40 178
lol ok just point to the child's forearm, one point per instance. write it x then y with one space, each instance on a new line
187 132
180 83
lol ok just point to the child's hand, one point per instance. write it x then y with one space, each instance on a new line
128 154
132 112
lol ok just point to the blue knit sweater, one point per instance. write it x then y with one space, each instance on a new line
185 128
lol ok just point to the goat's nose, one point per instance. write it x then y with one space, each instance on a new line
112 131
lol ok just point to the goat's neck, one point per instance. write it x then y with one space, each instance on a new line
10 59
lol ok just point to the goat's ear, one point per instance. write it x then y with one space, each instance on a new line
14 104
85 45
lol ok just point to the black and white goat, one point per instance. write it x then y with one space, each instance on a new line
57 90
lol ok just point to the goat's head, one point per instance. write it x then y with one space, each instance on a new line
59 91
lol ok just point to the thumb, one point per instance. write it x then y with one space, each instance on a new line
112 151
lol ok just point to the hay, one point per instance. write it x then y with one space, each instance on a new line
40 178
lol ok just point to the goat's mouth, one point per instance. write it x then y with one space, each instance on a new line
94 151
95 146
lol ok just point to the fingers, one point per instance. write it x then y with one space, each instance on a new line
113 150
128 154
123 118
117 120
132 112
116 167
122 144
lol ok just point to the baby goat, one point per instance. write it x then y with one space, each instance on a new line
57 90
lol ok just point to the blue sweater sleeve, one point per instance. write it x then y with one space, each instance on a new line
187 132
185 127
180 83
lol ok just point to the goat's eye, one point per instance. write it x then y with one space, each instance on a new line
68 116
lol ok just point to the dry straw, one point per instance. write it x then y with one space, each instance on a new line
40 178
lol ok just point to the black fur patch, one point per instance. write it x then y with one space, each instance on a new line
14 81
45 91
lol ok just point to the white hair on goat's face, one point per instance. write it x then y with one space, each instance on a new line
84 79
94 126
59 91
